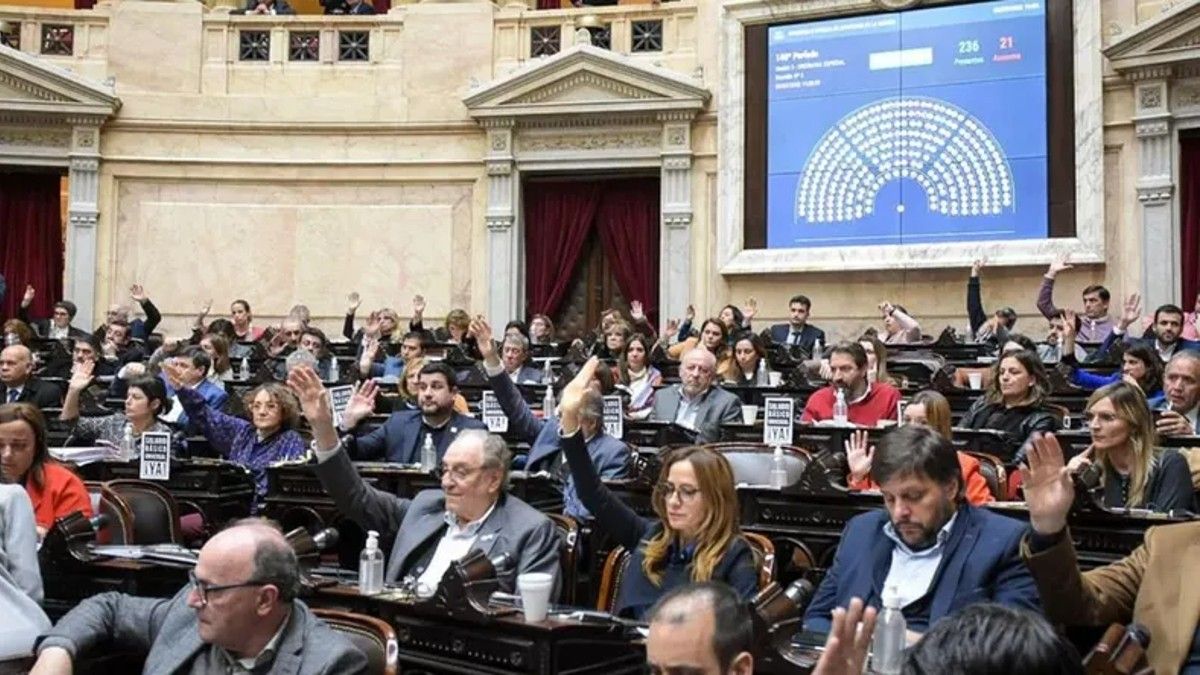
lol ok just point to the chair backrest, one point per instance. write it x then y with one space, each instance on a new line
752 462
615 566
992 470
155 513
764 557
568 554
120 517
375 638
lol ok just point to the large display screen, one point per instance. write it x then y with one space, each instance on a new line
920 126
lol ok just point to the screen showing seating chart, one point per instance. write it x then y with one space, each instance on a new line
910 127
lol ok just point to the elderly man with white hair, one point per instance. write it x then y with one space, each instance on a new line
471 511
695 403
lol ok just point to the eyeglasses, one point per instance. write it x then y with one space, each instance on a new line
204 590
457 474
686 493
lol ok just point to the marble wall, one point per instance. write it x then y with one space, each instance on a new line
286 181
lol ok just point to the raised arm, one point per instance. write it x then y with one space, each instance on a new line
153 316
1045 299
614 516
520 418
81 377
220 429
352 302
975 314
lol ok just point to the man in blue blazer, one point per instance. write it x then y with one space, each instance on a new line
797 331
928 547
609 455
1167 329
400 438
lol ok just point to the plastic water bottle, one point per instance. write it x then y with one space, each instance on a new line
762 378
818 350
245 368
548 403
841 412
370 566
335 374
128 451
887 647
778 472
548 373
428 455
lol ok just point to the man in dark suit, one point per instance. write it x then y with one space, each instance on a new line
609 455
401 437
239 614
58 326
437 527
695 403
118 348
138 328
17 383
797 331
1167 330
928 548
514 352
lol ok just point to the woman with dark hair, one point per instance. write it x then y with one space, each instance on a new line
635 372
877 360
992 639
217 348
270 436
898 325
145 399
1014 400
1140 365
1134 471
748 352
713 338
25 460
695 536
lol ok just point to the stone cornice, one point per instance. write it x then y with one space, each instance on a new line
1152 50
53 91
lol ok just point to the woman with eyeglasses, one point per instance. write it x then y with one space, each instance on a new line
696 536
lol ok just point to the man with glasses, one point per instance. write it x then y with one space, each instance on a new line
436 527
238 615
58 326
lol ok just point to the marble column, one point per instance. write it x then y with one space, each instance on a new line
1156 189
675 250
506 277
82 214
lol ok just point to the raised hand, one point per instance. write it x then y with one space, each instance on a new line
859 455
352 302
1060 264
886 308
372 328
361 404
206 308
314 402
672 328
278 343
174 373
482 331
847 644
81 376
138 294
418 306
749 310
690 314
30 294
571 399
977 265
1131 311
636 311
1049 492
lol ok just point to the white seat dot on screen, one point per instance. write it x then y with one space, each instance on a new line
899 208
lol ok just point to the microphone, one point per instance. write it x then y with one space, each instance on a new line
800 592
99 522
325 539
500 562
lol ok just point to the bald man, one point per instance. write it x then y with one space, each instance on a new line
695 403
17 383
238 615
702 629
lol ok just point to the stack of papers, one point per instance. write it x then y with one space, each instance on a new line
81 456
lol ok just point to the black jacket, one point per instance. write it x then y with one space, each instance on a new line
41 394
1016 423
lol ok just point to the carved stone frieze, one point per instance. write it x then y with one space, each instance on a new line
46 138
591 141
1150 96
499 223
586 81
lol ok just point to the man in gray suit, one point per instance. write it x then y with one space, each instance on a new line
694 403
514 353
437 527
239 614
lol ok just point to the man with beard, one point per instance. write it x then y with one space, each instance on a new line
928 547
866 402
403 434
1166 330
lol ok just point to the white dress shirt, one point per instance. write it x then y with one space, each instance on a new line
912 571
455 543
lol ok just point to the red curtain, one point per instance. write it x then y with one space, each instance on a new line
1189 225
31 249
549 4
558 217
629 229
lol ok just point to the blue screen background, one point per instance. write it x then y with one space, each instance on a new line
974 94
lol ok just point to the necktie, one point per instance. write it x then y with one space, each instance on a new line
12 395
795 338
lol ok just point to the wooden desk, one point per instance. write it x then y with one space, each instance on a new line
434 641
220 490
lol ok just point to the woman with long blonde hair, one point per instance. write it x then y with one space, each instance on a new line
696 536
1135 472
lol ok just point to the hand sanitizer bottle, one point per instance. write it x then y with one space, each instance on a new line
841 411
370 566
428 455
128 447
887 646
548 403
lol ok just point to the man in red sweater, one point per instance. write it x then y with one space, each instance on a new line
867 402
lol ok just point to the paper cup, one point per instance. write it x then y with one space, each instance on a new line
535 588
776 378
749 414
976 380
